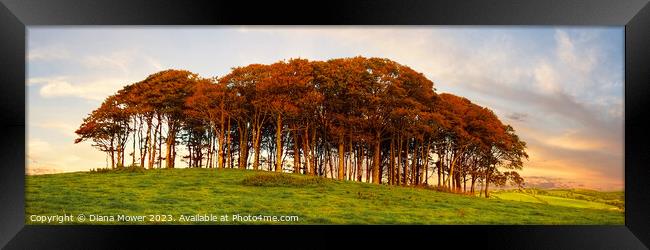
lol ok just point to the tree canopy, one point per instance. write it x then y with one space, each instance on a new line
361 119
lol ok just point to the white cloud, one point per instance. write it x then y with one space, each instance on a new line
546 78
125 61
582 57
62 127
45 80
47 54
38 146
154 63
574 141
116 60
93 90
45 157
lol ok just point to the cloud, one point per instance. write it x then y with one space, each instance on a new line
96 90
546 78
574 140
154 63
62 127
38 146
580 58
47 53
45 80
586 165
46 157
116 60
126 62
520 117
114 71
545 182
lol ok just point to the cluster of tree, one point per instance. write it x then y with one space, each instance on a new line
362 119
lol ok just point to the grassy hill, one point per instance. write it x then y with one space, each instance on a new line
579 198
314 200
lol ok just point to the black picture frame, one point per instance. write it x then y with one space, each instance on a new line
15 15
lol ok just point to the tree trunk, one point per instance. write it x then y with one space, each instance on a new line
243 145
220 155
391 163
160 141
399 160
152 145
256 148
174 151
360 163
134 133
169 142
414 163
189 149
425 154
329 162
296 152
350 167
368 167
451 178
313 152
220 137
457 181
229 143
443 162
356 164
271 162
439 166
376 160
406 163
473 181
112 153
246 151
119 156
341 159
464 183
278 142
487 183
307 152
211 149
425 165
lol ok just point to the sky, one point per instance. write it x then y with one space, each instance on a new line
561 88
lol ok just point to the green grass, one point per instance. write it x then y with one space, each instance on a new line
615 198
516 196
580 198
314 200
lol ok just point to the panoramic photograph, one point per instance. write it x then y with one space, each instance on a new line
311 125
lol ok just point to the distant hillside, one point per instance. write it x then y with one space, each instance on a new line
42 170
580 198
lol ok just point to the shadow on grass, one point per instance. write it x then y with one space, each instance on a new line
281 180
